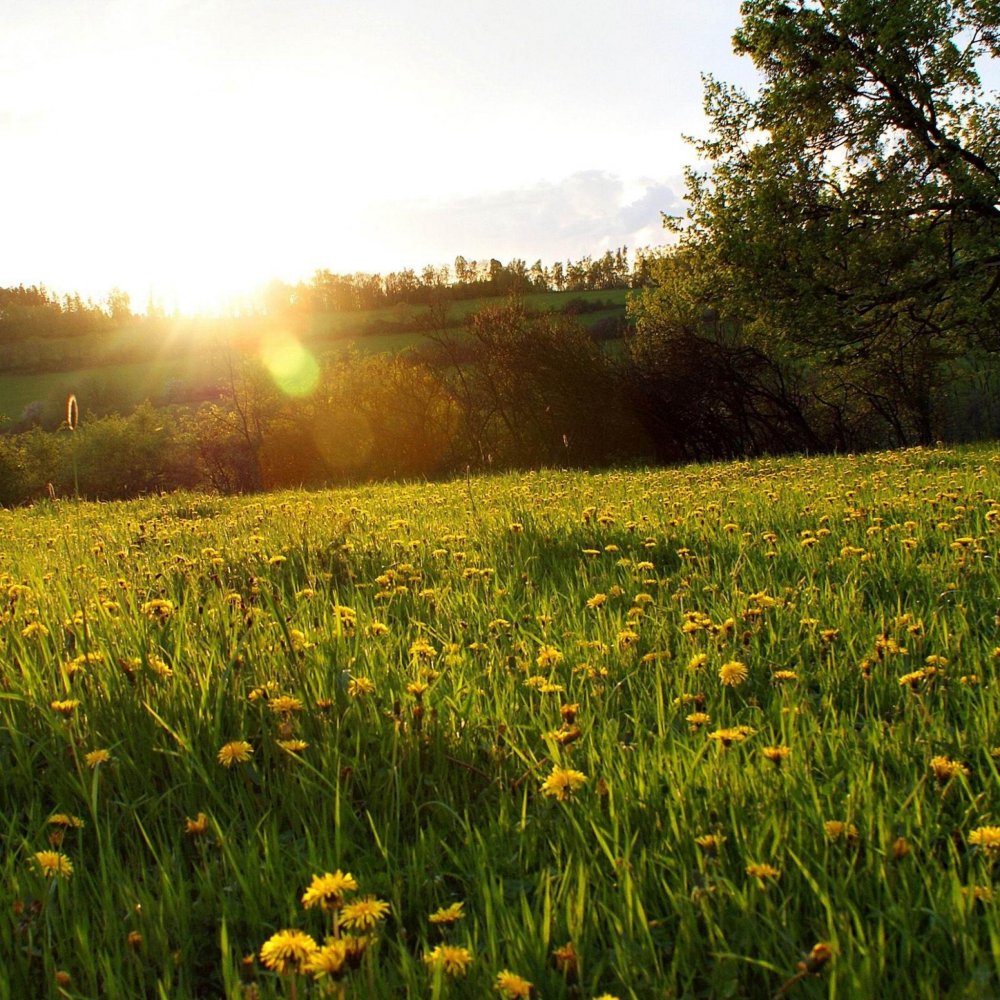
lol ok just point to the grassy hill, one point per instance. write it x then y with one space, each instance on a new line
632 734
173 361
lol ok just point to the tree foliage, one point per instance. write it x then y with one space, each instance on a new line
848 224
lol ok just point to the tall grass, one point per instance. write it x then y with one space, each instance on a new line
860 593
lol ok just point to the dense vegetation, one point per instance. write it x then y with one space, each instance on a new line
662 732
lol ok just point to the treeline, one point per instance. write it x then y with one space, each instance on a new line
36 312
512 391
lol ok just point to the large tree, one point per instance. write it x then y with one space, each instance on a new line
848 224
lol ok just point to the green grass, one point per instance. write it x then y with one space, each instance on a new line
430 797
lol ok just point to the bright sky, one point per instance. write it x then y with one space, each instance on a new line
194 148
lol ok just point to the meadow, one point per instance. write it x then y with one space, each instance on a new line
716 731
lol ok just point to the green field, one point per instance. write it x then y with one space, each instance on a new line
127 366
660 733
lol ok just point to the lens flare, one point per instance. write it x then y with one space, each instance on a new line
294 369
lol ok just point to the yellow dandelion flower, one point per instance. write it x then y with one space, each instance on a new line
358 687
95 757
512 986
327 891
66 707
448 914
710 842
288 952
733 673
763 871
838 830
453 960
52 864
196 827
548 656
945 769
566 960
562 782
293 746
597 601
66 820
776 755
328 960
987 838
285 704
236 752
364 914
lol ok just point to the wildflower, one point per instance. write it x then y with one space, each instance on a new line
548 656
776 755
900 848
96 757
562 782
66 708
762 871
32 629
566 960
979 893
328 890
236 752
627 638
66 820
285 704
597 601
293 746
733 673
52 864
288 952
697 719
448 914
421 649
364 914
511 986
697 661
159 609
454 960
987 838
328 960
784 675
945 769
728 736
377 629
358 687
134 939
710 842
838 830
196 827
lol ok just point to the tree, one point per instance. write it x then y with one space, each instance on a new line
849 218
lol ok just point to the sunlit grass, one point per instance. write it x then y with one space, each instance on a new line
657 732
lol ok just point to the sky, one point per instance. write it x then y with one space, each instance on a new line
192 149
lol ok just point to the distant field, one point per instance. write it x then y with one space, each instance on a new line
180 359
720 731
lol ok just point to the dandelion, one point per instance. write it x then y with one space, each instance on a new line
288 952
196 827
784 675
358 687
838 830
285 704
776 755
733 673
697 662
66 820
987 838
763 871
327 891
512 986
548 656
159 609
65 708
900 848
945 769
328 960
567 961
236 752
453 960
96 757
364 914
562 782
52 864
710 842
597 601
293 746
448 915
